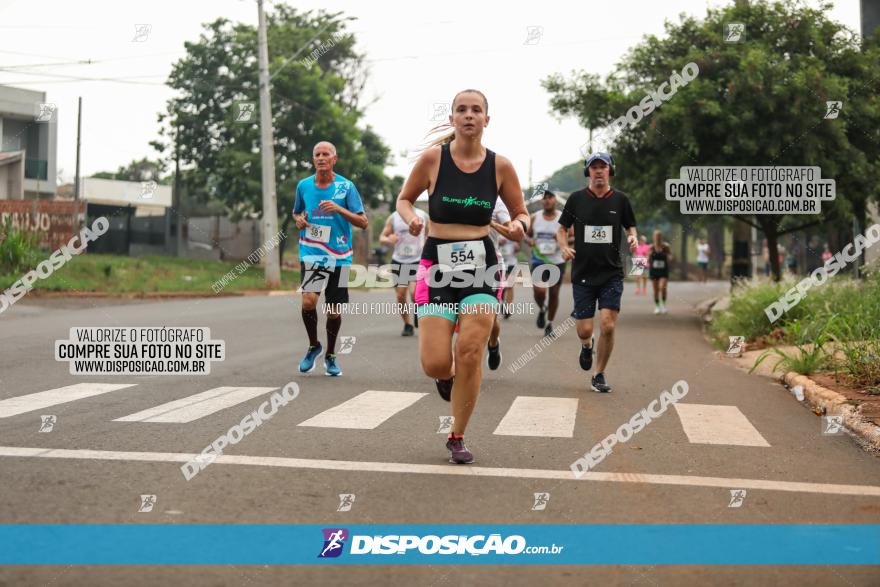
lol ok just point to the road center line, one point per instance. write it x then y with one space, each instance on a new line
329 465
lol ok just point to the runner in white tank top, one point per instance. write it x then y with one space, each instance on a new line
508 250
405 261
545 250
498 232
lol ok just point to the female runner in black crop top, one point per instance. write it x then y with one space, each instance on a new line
463 179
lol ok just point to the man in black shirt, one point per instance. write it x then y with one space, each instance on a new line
601 217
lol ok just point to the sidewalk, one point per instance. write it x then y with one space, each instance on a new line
824 393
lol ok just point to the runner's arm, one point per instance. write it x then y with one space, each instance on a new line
530 233
502 230
419 180
511 194
632 238
358 219
386 232
299 213
562 237
566 222
354 208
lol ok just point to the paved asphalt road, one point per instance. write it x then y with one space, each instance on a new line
679 469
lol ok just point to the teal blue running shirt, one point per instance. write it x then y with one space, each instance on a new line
327 239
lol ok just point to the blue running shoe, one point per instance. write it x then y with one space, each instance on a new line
330 366
308 362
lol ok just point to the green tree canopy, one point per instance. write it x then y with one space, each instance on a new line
215 114
758 102
138 170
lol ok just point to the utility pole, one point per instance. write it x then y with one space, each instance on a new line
178 236
76 180
531 185
270 210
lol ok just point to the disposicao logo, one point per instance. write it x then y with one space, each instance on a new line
334 541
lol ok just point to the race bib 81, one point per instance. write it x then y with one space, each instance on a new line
318 232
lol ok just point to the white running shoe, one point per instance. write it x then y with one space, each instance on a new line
656 309
663 310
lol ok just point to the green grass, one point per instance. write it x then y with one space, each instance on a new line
843 311
856 305
122 275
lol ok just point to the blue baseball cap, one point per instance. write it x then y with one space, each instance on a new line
599 156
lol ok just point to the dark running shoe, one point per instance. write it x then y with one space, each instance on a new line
541 321
598 384
586 358
458 452
330 366
548 330
407 330
444 387
494 356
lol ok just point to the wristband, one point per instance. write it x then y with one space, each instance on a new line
523 223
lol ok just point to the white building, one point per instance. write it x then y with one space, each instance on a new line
148 198
28 125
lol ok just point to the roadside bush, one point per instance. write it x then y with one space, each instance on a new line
745 316
856 304
19 251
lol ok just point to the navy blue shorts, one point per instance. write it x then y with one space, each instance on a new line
585 297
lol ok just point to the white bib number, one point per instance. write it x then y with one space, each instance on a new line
408 250
659 264
547 247
462 255
597 234
318 233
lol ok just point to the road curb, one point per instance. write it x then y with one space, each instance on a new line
836 404
157 294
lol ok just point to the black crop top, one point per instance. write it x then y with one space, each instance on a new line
463 198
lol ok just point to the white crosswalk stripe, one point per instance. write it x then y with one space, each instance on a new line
53 397
530 416
539 416
197 406
705 424
365 411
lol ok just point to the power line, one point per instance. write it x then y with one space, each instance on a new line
122 80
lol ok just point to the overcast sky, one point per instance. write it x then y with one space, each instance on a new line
419 54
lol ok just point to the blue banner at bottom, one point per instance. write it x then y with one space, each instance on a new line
624 544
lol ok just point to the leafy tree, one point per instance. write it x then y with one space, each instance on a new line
215 116
567 179
759 102
138 170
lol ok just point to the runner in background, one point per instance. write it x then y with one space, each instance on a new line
642 279
497 231
509 249
659 258
703 259
327 205
405 260
545 250
604 224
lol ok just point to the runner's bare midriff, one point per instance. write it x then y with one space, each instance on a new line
458 231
